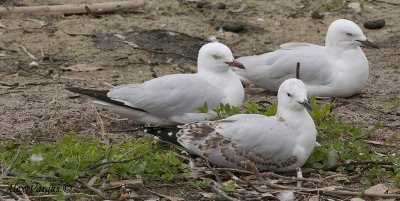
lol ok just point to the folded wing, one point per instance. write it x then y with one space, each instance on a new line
169 95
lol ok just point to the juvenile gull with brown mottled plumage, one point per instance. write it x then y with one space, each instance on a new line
279 143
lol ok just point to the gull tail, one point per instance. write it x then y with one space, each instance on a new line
166 134
97 94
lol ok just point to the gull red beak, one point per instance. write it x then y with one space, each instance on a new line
367 43
235 63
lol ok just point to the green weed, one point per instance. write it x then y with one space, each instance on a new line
73 157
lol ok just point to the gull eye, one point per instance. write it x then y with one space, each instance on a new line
216 56
349 34
288 94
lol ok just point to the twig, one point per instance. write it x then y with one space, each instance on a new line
271 174
356 162
253 168
71 78
12 164
12 194
131 150
92 13
68 9
390 3
334 176
215 173
123 130
95 190
234 170
298 70
330 190
29 54
223 194
102 127
66 195
24 194
183 157
165 196
108 84
103 171
299 176
380 143
371 195
45 76
123 161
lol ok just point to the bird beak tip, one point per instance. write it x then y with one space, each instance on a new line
236 63
367 43
306 104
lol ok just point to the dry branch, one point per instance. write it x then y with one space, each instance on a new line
298 70
95 190
223 194
68 9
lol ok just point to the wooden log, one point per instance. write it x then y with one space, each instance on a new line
68 9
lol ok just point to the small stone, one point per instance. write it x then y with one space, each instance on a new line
217 5
357 199
316 14
374 24
233 27
355 6
202 4
214 5
228 35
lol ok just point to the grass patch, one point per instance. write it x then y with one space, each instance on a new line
75 157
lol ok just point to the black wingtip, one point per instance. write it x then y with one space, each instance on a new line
166 134
100 95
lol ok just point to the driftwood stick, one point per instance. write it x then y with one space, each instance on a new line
298 70
95 8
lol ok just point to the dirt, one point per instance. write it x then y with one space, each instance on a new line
164 39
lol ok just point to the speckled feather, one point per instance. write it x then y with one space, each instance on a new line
279 143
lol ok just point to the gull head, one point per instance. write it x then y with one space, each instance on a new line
345 33
216 57
292 95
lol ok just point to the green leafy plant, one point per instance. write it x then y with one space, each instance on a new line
202 182
392 104
73 157
334 4
229 186
226 110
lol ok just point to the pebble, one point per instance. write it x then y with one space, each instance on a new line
374 24
214 5
233 27
355 6
316 14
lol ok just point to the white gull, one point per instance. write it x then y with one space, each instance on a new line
175 99
338 69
